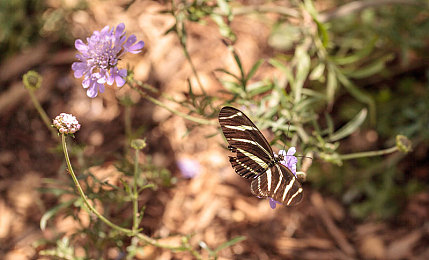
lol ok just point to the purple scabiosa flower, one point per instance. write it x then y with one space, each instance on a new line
289 160
66 123
189 168
98 59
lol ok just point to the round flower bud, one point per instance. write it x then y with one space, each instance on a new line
404 144
138 144
32 80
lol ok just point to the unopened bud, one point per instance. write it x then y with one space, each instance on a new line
404 144
32 80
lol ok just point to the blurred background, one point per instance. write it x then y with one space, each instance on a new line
374 75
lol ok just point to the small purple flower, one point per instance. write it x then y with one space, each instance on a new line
273 203
290 162
189 168
98 59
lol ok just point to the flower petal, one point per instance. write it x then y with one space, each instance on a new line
273 203
92 91
80 46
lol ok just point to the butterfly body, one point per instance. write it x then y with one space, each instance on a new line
254 159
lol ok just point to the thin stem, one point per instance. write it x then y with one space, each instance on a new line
128 128
357 6
194 70
135 194
367 154
243 10
42 113
127 122
127 231
181 114
82 194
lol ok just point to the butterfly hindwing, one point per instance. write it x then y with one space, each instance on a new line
278 183
254 153
254 158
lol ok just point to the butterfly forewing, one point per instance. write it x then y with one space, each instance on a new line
255 159
254 153
278 183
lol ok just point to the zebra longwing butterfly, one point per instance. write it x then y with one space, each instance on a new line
254 159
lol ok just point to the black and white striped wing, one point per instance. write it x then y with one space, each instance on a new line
278 183
253 152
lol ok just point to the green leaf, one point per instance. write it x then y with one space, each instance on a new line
331 85
358 55
232 87
228 73
329 123
254 68
370 69
358 94
51 212
284 36
258 88
224 28
229 243
350 127
317 72
321 28
302 69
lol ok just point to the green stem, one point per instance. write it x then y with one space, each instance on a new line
244 10
127 122
181 114
368 154
128 128
42 113
127 231
135 195
194 70
82 194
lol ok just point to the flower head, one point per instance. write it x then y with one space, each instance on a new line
188 167
404 144
32 80
289 160
98 59
66 123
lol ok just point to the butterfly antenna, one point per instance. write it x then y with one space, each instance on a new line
303 156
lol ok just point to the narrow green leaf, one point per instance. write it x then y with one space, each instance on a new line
224 28
302 69
358 55
359 95
228 73
229 243
350 127
232 87
329 123
370 69
254 68
331 85
279 65
51 212
314 94
317 72
258 88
